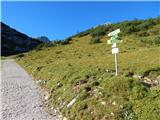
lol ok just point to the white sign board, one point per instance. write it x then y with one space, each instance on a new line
115 50
114 32
114 45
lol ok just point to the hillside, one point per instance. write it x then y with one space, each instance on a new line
79 75
14 42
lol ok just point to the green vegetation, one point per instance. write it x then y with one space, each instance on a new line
3 58
84 72
20 55
95 40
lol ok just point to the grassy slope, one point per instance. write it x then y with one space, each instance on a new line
63 67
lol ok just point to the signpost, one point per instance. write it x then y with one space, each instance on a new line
114 40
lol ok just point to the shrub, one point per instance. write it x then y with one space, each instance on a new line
95 40
142 33
158 20
130 29
81 34
127 113
98 33
146 24
62 42
20 55
44 45
157 41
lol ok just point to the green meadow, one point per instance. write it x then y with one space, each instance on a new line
83 69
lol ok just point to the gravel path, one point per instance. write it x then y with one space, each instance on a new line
20 96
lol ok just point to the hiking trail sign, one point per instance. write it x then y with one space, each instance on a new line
113 41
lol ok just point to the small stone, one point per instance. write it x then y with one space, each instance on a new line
103 103
47 97
137 76
114 103
121 106
59 84
112 113
59 98
107 70
100 79
64 118
71 103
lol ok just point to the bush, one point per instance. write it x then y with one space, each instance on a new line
98 33
130 29
127 113
20 55
157 41
66 41
142 33
81 34
62 42
44 45
95 40
146 24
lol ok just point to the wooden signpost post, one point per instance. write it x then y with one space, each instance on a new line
114 40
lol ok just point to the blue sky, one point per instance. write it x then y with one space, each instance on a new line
58 20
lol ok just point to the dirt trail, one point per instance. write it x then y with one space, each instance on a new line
21 99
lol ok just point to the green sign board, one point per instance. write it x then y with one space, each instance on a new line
114 37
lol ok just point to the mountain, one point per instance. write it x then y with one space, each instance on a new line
14 42
43 39
79 75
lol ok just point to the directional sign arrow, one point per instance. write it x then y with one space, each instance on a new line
114 32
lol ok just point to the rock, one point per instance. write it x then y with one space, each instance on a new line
100 79
39 81
59 85
107 70
71 103
146 79
112 113
137 76
114 103
47 96
64 118
14 42
121 106
103 103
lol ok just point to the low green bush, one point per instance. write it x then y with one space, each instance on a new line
142 33
98 33
95 40
157 41
44 45
19 55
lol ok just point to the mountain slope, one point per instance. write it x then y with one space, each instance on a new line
14 42
79 76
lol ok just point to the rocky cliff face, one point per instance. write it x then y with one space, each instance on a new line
14 42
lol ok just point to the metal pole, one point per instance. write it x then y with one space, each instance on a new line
116 65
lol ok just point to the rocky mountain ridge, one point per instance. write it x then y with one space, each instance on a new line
14 42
